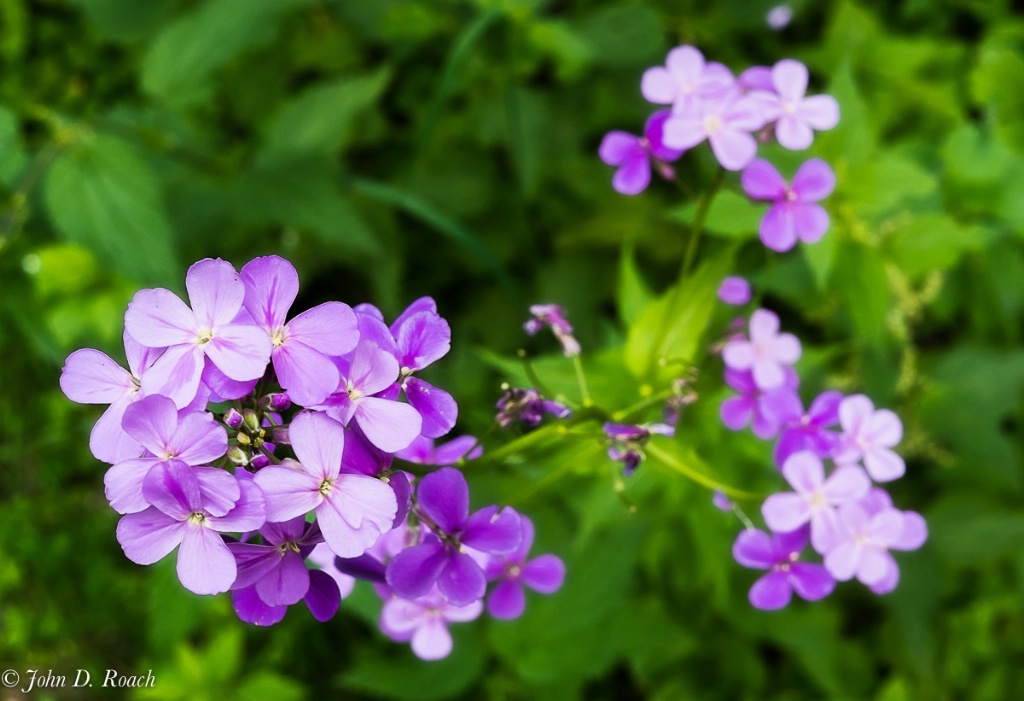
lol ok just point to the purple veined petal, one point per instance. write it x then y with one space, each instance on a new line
251 609
157 318
762 181
738 355
685 130
462 614
364 502
814 181
152 421
494 531
219 490
240 351
810 581
824 410
884 428
323 597
253 562
507 601
888 582
271 285
248 514
633 176
733 148
91 377
365 567
755 549
790 79
399 618
777 229
422 339
785 511
462 581
319 444
658 86
884 465
436 407
843 560
914 533
172 488
205 565
148 536
400 485
373 329
342 537
790 542
387 424
526 532
289 492
306 374
456 449
414 570
372 369
874 565
544 574
123 485
362 457
767 373
810 222
420 451
176 374
330 328
736 412
793 133
287 583
431 641
278 532
444 497
108 441
199 439
423 304
215 291
654 132
139 357
771 592
846 483
820 111
786 349
221 388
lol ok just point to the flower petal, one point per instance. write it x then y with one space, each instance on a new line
785 511
462 581
436 407
158 318
319 444
771 592
286 584
389 425
507 601
240 351
271 285
323 597
250 608
330 328
414 570
814 181
205 565
444 497
544 574
762 181
812 582
289 492
148 536
91 377
123 485
494 531
215 291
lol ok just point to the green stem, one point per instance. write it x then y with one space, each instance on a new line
636 408
581 378
700 478
699 221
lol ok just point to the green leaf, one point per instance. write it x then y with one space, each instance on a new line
932 242
625 35
634 294
181 64
999 67
101 195
886 182
864 290
12 155
731 215
968 530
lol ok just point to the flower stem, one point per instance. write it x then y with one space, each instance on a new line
700 478
581 378
698 223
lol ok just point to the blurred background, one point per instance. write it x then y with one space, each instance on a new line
399 148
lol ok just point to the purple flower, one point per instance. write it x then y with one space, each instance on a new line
323 557
750 406
633 155
183 515
800 430
424 452
813 497
685 79
734 290
212 328
351 509
798 116
795 214
912 536
868 435
553 315
194 438
779 553
443 503
91 377
543 574
423 621
767 352
300 347
527 406
726 122
626 442
861 545
722 502
779 17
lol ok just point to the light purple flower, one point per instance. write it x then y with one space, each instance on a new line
795 213
351 509
424 452
300 347
634 155
734 290
423 621
543 574
726 122
212 328
323 557
767 352
527 406
813 497
780 553
443 503
798 116
181 516
862 542
912 536
685 79
195 438
779 17
869 435
722 502
750 407
802 430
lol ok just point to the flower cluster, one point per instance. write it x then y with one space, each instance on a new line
850 522
262 448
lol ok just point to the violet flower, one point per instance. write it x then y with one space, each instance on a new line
734 290
725 122
424 452
869 435
798 116
423 622
554 316
527 406
767 352
795 213
750 406
626 442
862 543
779 553
685 79
543 574
634 155
802 430
912 536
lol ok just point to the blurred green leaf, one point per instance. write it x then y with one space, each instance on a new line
864 289
999 66
730 215
932 242
13 158
634 294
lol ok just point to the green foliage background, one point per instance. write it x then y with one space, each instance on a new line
397 148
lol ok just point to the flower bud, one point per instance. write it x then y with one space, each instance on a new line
250 421
279 434
259 461
238 456
277 401
232 418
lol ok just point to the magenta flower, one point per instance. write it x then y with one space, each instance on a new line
543 574
813 497
181 516
726 122
685 79
798 117
862 542
802 430
300 347
351 509
795 214
869 435
780 553
750 406
157 318
734 290
443 503
423 621
633 156
194 438
767 352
